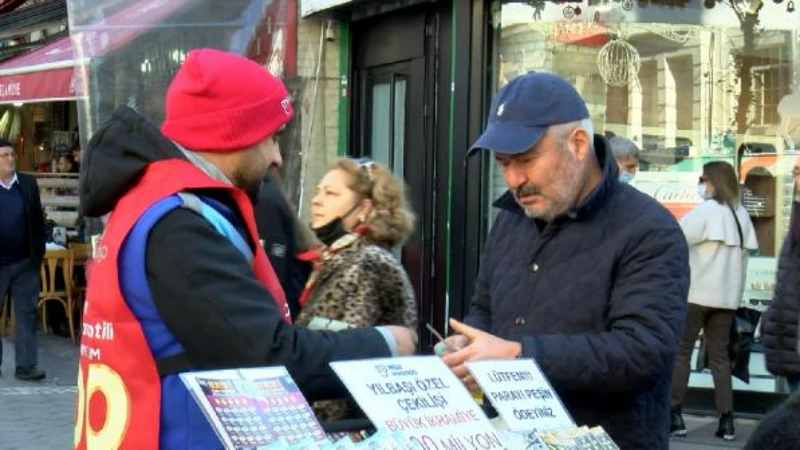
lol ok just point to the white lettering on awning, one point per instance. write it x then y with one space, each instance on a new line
10 90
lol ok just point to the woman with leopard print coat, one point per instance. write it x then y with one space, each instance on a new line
359 213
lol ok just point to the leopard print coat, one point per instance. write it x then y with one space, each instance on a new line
362 285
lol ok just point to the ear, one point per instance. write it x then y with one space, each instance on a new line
580 143
366 207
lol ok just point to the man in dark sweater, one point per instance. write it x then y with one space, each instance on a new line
22 242
283 238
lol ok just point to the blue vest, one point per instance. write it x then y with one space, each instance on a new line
183 425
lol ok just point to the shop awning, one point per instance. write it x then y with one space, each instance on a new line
48 74
45 74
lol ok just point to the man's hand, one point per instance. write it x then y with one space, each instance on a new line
481 346
406 340
451 344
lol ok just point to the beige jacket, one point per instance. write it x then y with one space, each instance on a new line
716 258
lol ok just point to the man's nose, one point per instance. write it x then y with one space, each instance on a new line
514 178
278 161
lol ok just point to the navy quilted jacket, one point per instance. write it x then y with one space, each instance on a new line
598 298
780 323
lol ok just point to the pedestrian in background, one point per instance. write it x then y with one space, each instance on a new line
626 153
284 238
720 237
22 246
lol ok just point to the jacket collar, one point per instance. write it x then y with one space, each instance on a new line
593 201
209 169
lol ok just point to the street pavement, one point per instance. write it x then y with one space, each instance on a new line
39 415
700 434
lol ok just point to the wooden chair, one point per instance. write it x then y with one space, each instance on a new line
53 260
82 256
82 252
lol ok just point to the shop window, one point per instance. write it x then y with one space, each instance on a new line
771 76
682 69
648 79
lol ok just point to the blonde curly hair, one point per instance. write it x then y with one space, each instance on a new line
391 221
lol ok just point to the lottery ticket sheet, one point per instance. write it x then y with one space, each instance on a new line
254 408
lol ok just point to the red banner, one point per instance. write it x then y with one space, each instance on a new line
38 86
584 33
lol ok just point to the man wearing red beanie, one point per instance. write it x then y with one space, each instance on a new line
179 282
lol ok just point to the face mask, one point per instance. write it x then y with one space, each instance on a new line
625 177
702 192
331 231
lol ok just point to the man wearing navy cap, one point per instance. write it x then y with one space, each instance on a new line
584 274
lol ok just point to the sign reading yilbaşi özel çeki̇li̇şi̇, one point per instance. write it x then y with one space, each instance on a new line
521 394
421 397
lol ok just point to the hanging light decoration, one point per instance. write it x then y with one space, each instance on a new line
618 62
675 33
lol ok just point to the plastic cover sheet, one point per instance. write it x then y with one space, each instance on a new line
127 52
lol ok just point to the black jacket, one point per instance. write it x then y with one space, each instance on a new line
275 221
35 217
779 325
205 292
598 298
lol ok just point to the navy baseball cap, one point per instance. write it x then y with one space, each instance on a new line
523 109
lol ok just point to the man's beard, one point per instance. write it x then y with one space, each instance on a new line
249 180
569 175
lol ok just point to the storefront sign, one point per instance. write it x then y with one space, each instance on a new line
677 191
308 7
760 281
521 394
421 397
39 86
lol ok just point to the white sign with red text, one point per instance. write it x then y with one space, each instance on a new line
421 397
521 394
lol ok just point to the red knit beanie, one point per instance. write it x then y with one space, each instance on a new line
221 101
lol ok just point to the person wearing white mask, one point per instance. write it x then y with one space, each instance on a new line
626 153
720 237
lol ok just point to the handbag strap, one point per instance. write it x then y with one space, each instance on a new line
738 226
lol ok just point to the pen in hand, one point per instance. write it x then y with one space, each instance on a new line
442 341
